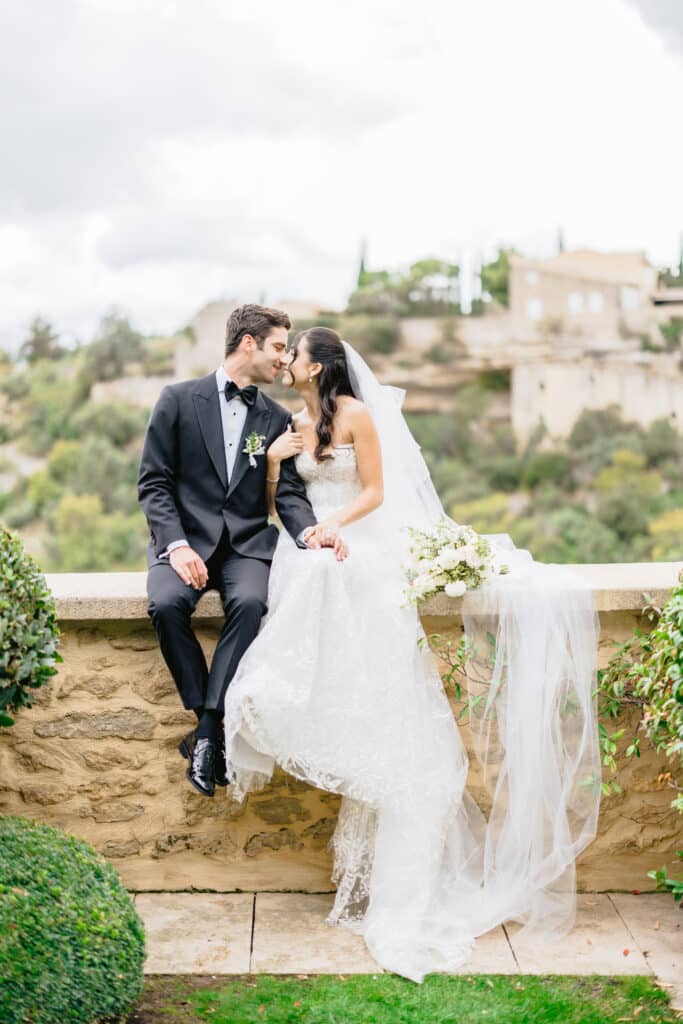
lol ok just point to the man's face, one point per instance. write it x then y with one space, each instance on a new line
267 362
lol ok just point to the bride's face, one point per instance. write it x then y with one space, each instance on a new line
298 366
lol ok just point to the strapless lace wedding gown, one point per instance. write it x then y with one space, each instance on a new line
337 690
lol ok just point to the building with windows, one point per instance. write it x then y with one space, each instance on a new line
603 295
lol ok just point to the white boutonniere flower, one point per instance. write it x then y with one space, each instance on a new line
254 447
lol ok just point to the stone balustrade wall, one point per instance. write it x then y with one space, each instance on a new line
97 755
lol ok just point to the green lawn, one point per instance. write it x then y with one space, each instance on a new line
387 999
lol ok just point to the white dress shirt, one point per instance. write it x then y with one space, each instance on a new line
233 416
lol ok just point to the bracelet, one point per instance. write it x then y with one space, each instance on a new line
275 481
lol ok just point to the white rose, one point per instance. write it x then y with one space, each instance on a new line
455 589
463 553
448 558
423 583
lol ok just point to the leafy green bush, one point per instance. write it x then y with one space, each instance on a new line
84 539
647 672
548 467
114 421
71 942
28 628
371 334
662 442
594 424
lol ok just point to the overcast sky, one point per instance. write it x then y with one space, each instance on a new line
162 154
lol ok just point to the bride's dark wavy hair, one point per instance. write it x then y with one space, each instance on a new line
325 346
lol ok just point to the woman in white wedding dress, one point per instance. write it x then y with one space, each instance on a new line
338 689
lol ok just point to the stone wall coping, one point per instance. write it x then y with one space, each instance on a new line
122 595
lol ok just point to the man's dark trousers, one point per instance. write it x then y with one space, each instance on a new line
243 587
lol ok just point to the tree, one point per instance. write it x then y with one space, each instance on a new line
430 287
42 342
115 345
495 277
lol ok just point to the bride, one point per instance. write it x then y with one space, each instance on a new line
340 689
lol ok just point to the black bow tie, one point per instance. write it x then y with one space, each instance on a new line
248 394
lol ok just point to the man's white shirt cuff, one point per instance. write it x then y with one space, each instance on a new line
172 546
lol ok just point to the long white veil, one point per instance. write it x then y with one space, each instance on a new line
531 681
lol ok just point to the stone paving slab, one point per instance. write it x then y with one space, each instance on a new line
656 923
595 945
291 937
196 933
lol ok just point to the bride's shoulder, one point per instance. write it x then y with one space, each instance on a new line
354 415
350 406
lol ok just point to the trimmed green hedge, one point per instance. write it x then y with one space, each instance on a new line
28 628
71 942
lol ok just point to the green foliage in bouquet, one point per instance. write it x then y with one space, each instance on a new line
28 628
71 942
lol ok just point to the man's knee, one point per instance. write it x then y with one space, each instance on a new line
250 605
168 607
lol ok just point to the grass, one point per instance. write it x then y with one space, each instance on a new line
388 999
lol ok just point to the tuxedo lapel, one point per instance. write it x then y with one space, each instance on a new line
207 407
257 422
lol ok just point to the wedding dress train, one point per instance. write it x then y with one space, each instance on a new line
339 691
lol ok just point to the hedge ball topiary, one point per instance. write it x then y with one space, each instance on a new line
71 942
28 628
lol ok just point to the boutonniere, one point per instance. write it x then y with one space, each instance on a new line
254 446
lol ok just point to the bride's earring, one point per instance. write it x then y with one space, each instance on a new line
310 380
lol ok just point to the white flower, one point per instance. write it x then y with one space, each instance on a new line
448 558
464 554
455 589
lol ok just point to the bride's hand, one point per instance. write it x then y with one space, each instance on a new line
326 535
285 446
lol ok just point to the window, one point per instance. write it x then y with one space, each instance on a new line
575 302
596 302
534 309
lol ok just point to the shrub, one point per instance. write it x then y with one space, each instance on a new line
548 467
71 942
113 420
84 539
662 442
594 424
371 334
487 515
28 628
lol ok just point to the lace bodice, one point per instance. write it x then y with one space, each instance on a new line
333 483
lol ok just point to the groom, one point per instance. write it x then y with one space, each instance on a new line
204 498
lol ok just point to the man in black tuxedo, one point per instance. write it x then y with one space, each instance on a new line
205 501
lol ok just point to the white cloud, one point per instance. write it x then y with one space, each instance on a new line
165 153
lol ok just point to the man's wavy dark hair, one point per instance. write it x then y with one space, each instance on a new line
255 320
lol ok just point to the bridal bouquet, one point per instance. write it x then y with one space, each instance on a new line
449 558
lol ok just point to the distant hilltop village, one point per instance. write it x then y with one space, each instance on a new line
582 329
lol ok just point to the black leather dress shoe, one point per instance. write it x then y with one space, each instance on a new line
201 770
186 748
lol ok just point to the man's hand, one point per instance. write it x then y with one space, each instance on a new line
189 566
325 535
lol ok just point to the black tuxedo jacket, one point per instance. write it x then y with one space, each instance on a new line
183 484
